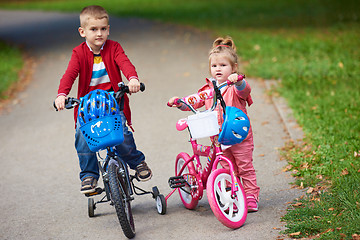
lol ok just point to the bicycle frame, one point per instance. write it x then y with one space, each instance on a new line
112 156
213 153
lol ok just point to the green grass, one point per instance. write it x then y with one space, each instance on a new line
313 47
10 66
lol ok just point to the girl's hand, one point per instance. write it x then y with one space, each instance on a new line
235 78
60 102
172 102
134 85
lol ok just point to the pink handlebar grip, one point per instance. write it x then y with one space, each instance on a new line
240 78
176 102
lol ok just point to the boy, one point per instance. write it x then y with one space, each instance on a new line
98 62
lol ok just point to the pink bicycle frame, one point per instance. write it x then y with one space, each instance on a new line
214 156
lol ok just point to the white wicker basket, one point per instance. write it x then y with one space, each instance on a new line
203 124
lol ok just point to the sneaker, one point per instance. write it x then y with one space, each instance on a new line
143 172
88 185
252 204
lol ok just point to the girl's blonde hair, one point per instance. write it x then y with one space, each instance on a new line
225 46
93 11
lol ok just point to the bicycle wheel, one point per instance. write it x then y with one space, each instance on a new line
91 207
192 191
231 212
121 200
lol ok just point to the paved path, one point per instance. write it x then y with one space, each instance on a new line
39 183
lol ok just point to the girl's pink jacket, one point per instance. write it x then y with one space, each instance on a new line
232 97
81 64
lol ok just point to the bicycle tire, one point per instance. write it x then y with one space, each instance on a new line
221 203
195 188
91 207
119 194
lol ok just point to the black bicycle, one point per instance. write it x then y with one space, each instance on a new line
119 186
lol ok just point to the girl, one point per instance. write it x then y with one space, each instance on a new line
223 65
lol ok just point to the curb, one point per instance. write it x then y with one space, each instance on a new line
286 114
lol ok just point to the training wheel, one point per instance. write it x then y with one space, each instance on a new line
155 191
161 204
91 207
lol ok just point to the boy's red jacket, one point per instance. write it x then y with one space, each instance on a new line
81 64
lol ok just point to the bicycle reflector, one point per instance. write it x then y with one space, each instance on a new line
235 128
96 104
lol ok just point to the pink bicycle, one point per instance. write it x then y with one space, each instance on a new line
225 192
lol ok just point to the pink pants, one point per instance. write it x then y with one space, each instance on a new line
241 156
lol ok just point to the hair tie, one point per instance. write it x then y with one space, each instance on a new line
222 45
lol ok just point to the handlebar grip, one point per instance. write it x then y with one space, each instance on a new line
176 102
142 87
240 78
55 106
66 102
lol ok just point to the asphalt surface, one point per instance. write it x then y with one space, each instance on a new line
39 184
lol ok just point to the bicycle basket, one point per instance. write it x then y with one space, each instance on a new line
204 124
103 132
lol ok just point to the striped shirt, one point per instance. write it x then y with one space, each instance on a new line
100 78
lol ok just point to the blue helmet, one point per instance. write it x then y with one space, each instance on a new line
235 128
96 104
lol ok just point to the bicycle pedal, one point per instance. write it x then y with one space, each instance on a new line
177 182
98 191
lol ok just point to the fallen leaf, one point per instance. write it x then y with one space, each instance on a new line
356 236
186 74
310 190
264 123
287 168
297 204
319 177
344 172
261 155
329 230
331 209
294 234
317 217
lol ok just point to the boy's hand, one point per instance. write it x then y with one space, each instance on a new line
60 102
134 85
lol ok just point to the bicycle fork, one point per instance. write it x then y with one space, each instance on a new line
234 182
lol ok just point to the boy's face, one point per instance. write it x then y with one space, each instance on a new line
95 32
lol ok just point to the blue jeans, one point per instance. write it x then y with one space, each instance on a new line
126 151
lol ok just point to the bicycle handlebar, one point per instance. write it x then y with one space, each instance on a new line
216 95
72 102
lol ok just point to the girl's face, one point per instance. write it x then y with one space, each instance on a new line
220 67
96 33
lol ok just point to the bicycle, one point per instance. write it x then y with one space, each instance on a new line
119 187
225 192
